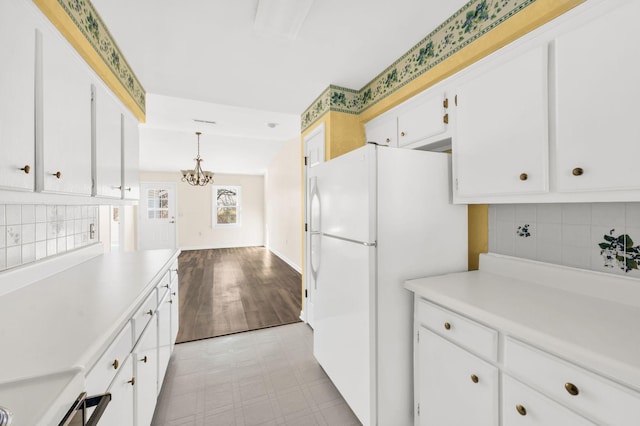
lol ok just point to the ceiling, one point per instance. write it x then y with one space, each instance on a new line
205 60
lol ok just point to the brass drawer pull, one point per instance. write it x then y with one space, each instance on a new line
474 378
149 312
145 359
577 171
401 133
524 176
388 140
445 119
572 389
445 103
173 294
132 381
115 364
26 169
58 175
447 326
521 410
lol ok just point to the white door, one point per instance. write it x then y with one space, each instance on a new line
314 154
157 225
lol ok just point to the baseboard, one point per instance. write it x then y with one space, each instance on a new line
211 247
286 260
302 317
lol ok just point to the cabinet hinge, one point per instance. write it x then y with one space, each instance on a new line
305 160
306 227
418 409
306 293
455 100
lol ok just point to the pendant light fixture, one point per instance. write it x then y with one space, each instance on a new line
197 176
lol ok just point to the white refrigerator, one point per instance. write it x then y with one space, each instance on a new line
379 216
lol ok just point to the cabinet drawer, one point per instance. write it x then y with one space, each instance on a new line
583 391
164 285
524 406
463 331
102 374
143 315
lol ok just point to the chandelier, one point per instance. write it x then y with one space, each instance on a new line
197 176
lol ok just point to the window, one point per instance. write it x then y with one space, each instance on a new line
226 207
158 204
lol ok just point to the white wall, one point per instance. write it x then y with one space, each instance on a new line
194 209
283 193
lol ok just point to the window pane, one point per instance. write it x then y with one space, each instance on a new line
164 214
226 197
150 214
227 214
164 203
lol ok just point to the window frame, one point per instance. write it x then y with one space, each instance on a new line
214 206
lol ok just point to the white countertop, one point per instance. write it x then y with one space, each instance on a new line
544 305
63 322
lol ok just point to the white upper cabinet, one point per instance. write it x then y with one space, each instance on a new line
17 76
501 144
597 92
423 119
108 144
66 119
383 130
131 158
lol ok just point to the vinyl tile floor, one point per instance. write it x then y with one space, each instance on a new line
262 377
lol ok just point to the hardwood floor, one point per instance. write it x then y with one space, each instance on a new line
224 291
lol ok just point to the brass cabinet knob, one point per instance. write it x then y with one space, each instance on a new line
166 286
577 171
445 119
572 389
401 133
57 174
145 359
388 140
150 312
474 378
521 410
26 169
170 301
173 294
128 189
445 103
132 381
524 176
115 364
447 326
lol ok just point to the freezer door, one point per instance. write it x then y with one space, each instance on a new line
344 338
346 188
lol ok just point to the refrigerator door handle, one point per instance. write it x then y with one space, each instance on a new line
364 243
314 228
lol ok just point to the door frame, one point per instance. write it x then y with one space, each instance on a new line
143 209
304 315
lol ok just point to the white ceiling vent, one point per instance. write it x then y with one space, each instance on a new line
281 18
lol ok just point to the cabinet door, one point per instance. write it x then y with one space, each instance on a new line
120 410
597 106
17 76
522 406
131 158
175 314
66 121
455 387
164 338
501 143
145 359
108 144
383 130
423 119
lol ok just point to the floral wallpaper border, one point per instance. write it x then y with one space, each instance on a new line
471 21
87 20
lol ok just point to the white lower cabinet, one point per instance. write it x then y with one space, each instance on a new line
119 412
523 406
164 337
145 363
455 387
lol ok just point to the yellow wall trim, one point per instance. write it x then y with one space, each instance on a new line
117 75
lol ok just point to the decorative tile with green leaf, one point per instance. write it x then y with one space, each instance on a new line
470 22
87 20
619 251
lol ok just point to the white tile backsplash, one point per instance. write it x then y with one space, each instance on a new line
568 234
30 232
